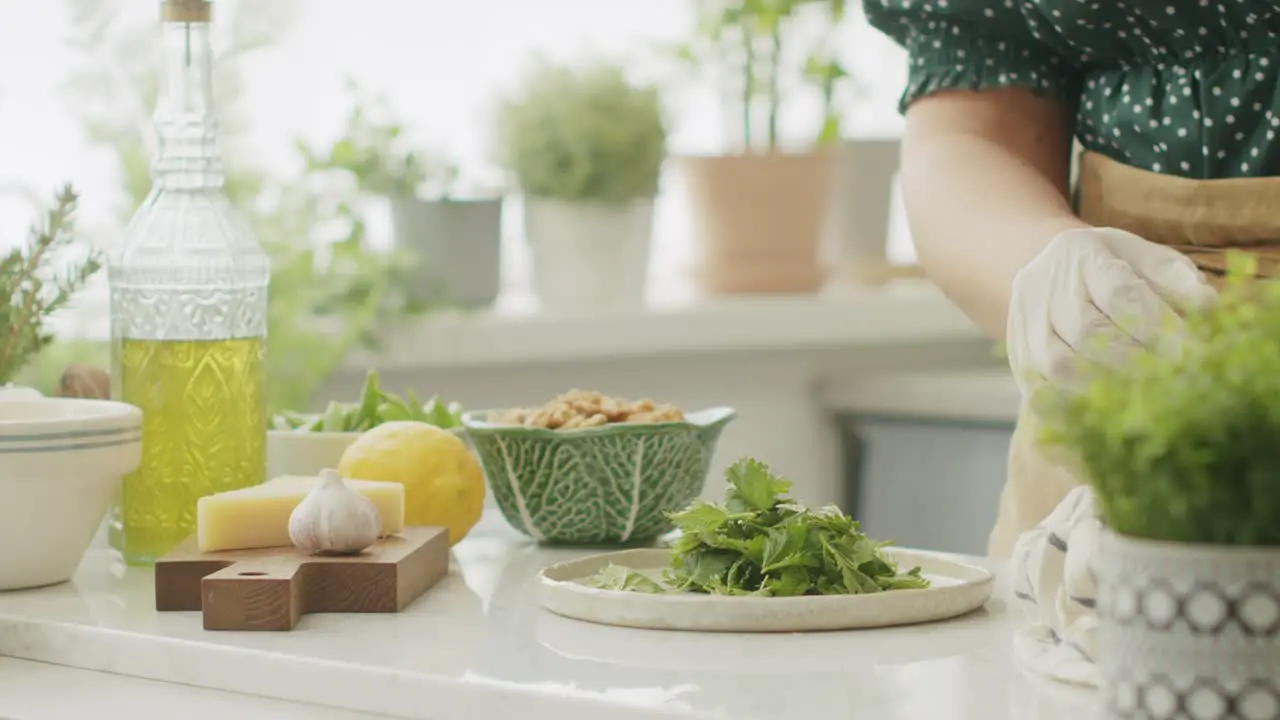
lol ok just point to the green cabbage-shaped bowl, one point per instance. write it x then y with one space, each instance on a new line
605 485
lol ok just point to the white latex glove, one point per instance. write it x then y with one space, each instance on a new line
1095 293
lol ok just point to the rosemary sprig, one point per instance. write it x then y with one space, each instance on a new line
38 280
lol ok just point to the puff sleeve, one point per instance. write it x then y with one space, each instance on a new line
975 45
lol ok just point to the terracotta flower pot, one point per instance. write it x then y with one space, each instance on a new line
1188 631
759 221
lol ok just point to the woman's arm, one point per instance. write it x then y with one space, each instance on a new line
984 180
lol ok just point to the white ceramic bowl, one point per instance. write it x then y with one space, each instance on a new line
290 452
61 463
305 453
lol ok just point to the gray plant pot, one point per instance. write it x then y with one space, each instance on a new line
458 248
1188 631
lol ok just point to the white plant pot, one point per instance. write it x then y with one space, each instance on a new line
859 211
588 256
1188 631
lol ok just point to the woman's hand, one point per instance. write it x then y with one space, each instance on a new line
1096 294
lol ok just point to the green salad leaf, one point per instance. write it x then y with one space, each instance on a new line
375 407
617 577
760 542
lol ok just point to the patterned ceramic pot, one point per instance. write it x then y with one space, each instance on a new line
1188 631
607 485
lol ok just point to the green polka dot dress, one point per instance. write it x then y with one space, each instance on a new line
1181 87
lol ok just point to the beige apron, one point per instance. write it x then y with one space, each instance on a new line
1201 218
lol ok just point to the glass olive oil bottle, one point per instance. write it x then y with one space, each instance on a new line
188 314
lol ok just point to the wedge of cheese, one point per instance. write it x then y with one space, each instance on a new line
258 517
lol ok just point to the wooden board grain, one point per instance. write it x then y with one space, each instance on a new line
270 588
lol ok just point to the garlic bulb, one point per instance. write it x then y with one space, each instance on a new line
333 519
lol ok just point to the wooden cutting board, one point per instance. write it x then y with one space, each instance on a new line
270 588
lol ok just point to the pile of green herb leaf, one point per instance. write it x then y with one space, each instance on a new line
375 407
760 542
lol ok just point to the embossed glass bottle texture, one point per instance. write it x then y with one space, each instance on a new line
188 314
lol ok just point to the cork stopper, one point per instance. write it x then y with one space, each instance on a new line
191 11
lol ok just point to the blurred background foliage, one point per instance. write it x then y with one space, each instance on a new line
330 291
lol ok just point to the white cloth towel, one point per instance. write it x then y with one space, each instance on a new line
1053 581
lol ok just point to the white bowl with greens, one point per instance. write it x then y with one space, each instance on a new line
306 443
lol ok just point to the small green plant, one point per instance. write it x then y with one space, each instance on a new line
753 43
373 148
39 279
1184 444
584 134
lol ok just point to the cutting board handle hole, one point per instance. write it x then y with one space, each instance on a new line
250 574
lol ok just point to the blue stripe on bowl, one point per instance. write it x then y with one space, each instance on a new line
69 435
118 442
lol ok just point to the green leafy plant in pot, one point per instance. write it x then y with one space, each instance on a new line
761 210
1182 449
453 235
587 146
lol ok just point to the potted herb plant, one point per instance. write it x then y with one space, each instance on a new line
760 212
453 235
1181 450
586 146
36 281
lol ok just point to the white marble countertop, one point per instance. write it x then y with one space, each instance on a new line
40 691
479 646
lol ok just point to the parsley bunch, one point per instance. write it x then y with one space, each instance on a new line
760 542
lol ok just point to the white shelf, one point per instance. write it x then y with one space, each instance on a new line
901 313
988 394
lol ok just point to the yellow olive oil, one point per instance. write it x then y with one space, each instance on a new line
203 432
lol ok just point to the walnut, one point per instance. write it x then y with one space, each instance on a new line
578 421
509 417
667 413
553 416
579 408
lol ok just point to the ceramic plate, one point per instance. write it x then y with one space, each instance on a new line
957 588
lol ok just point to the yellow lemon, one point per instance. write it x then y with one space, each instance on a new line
442 478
